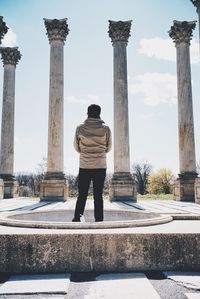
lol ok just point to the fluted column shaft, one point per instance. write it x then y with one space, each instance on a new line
119 33
181 33
121 119
122 186
54 185
10 58
57 31
7 124
187 157
55 127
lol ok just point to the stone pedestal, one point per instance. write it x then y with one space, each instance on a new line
54 186
54 189
181 33
197 190
122 185
184 187
10 58
1 189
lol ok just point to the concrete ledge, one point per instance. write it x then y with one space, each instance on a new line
101 251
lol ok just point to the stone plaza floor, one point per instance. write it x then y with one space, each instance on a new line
135 284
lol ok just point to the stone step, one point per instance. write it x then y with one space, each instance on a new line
192 296
187 279
29 286
122 285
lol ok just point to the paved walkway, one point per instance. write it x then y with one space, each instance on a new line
184 212
104 286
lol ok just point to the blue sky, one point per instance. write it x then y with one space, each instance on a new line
88 75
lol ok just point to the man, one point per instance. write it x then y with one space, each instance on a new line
92 140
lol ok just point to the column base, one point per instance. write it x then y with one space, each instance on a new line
54 187
10 188
197 190
122 187
1 189
184 189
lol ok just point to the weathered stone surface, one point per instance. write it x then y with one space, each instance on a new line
122 187
10 57
1 189
103 252
181 33
119 33
54 190
11 189
197 190
184 187
57 31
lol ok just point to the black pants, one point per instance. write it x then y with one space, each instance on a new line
97 176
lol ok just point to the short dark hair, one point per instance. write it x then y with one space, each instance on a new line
94 111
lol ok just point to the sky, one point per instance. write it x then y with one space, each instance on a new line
88 76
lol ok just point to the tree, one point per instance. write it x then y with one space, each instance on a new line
198 167
26 184
141 173
161 182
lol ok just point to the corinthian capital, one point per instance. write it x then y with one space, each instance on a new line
56 29
3 28
181 32
119 31
10 55
196 4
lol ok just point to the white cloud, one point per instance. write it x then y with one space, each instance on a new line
76 100
90 98
157 88
10 39
165 49
93 98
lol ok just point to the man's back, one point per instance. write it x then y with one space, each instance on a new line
92 140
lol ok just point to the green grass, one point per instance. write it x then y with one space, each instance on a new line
155 196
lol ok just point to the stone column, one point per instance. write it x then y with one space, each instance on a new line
122 185
10 58
181 34
54 186
3 31
197 5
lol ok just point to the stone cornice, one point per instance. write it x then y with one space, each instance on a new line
196 4
3 28
56 29
10 55
181 32
119 31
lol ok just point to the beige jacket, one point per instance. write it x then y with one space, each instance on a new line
92 140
